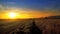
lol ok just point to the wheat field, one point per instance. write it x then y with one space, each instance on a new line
30 26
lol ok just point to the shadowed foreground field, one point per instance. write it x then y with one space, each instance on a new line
29 26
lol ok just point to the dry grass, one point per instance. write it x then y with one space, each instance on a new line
48 26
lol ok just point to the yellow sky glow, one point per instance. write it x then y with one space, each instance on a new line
14 14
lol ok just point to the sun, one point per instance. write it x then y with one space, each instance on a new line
12 15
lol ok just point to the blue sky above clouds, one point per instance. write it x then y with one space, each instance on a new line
32 4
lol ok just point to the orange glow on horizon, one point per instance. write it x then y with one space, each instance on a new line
23 14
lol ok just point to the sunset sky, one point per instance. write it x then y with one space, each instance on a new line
30 8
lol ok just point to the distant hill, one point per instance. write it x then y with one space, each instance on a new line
53 17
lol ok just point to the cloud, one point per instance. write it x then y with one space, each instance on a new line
11 2
1 7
